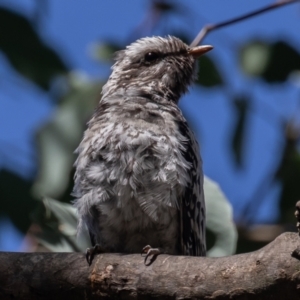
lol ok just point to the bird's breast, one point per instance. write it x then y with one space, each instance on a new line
138 159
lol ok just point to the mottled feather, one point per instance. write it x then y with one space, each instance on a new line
138 177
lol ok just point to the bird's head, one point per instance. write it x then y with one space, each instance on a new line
162 67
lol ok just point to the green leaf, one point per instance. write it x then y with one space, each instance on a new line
273 62
59 138
105 51
254 58
288 172
219 220
26 51
16 200
58 222
208 75
241 106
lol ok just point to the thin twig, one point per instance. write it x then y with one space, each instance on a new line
208 28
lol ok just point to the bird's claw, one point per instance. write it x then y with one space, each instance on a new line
148 250
89 255
91 252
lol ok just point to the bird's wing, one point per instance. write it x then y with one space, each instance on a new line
192 205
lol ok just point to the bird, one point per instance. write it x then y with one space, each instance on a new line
138 183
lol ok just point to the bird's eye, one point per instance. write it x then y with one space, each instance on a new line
151 56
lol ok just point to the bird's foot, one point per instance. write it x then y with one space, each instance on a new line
148 250
91 252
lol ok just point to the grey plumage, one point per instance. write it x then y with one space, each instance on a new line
138 177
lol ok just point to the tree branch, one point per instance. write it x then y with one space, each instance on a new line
269 273
208 28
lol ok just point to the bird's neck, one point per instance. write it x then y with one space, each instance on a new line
155 91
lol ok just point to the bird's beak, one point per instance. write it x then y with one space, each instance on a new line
199 50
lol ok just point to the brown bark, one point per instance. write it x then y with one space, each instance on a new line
269 273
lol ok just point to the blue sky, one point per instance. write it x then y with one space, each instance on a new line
72 27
